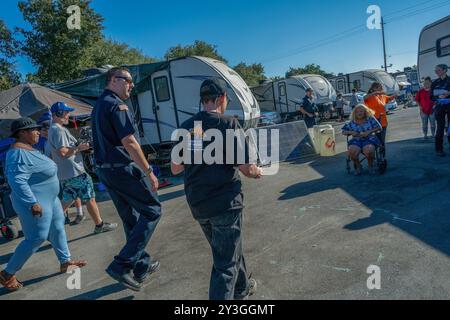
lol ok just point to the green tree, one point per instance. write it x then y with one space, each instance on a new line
275 78
252 74
8 50
59 53
308 69
114 53
199 48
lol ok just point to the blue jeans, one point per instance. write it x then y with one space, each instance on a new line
129 191
428 118
37 230
229 275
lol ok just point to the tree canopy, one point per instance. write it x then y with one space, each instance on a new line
308 69
252 74
60 53
199 48
8 49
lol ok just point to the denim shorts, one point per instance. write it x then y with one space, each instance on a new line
78 187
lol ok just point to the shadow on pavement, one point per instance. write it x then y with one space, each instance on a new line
412 195
102 292
30 282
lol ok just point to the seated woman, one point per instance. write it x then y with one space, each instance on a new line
361 128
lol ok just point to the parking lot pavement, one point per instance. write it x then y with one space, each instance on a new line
310 232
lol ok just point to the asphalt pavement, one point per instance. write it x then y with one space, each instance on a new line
310 232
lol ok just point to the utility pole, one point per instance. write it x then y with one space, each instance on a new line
384 45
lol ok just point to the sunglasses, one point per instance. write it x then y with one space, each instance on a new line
128 80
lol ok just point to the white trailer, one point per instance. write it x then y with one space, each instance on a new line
168 93
285 96
362 81
434 47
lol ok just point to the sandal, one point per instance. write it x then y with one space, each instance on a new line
73 264
11 284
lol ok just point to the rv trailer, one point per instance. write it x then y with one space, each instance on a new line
285 96
434 47
167 93
362 81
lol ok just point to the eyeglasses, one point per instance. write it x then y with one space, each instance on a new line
128 80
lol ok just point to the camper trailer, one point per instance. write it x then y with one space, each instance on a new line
167 93
285 96
362 81
434 47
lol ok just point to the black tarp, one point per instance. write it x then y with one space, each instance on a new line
32 100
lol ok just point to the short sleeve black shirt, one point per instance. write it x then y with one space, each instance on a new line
214 189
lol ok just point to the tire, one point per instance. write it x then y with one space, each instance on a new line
9 232
382 167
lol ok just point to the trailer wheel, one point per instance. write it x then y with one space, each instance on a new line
9 232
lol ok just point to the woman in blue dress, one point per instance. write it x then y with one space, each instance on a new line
361 128
34 183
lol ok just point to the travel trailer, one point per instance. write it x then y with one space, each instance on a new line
167 93
285 96
362 81
434 47
408 77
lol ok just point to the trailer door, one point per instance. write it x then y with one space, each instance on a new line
164 104
281 97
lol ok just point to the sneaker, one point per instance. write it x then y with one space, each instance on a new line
80 218
105 227
125 279
252 285
146 277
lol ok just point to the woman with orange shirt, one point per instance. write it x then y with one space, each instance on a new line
376 100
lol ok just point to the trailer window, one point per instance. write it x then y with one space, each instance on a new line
340 85
443 47
357 84
161 89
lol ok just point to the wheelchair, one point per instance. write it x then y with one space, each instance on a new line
380 157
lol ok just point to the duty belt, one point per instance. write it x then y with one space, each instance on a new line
112 165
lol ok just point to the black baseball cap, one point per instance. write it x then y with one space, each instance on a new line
23 124
213 88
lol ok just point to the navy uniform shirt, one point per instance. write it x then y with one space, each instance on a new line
438 87
111 122
308 105
213 190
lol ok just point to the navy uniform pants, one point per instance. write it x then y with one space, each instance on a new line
140 211
229 274
442 112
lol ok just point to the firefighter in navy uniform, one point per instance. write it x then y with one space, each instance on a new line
123 169
440 90
214 195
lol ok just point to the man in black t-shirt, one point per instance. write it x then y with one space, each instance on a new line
214 193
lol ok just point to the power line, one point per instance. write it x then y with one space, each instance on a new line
420 11
351 32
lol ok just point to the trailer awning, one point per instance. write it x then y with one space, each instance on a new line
92 87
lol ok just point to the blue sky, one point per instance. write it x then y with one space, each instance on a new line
267 31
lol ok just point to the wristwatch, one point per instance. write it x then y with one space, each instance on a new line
149 171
